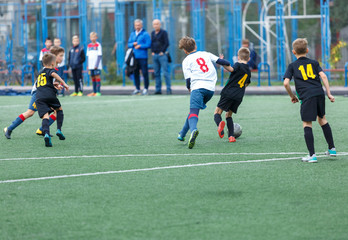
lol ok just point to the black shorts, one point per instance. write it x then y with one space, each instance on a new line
46 105
313 107
228 104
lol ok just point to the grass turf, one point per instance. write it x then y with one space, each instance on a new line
284 199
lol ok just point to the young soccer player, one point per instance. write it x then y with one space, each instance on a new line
306 73
61 66
94 55
48 45
75 61
46 97
200 75
233 92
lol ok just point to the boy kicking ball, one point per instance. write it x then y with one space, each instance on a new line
200 75
233 92
46 97
306 73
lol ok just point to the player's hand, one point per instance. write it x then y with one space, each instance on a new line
189 90
221 56
294 99
137 47
153 54
135 43
161 53
66 87
332 98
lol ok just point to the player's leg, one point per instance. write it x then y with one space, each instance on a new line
80 82
76 82
46 130
308 115
184 130
18 121
157 72
60 119
98 83
51 119
325 126
230 126
94 84
218 121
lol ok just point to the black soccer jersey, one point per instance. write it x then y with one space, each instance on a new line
306 75
44 84
235 87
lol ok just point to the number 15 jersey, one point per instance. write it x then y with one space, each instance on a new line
199 68
44 84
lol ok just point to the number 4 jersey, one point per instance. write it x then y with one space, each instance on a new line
199 68
306 75
44 84
235 87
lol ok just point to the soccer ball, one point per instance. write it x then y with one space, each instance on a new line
237 130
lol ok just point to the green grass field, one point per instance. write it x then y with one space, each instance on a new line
122 174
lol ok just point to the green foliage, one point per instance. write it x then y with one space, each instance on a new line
111 75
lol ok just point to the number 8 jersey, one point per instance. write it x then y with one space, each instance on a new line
44 84
199 68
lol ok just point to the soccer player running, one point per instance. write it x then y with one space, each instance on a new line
306 73
200 75
46 97
233 92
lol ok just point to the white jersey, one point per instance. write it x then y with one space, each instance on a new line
94 50
199 68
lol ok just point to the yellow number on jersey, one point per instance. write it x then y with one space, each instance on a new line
41 80
309 74
242 80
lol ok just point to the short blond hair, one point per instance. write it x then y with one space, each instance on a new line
187 43
76 36
48 58
56 50
244 54
300 45
93 34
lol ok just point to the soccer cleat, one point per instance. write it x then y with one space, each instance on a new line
47 139
331 152
221 129
7 133
74 94
39 132
180 138
231 139
98 94
310 159
91 94
145 92
60 135
136 92
80 94
193 137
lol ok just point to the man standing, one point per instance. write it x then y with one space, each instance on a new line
140 41
159 45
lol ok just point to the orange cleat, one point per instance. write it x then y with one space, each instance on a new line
91 94
231 139
221 129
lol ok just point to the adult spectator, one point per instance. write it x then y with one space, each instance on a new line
140 41
159 45
253 55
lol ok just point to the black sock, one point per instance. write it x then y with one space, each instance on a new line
45 126
230 126
308 135
217 118
60 118
328 135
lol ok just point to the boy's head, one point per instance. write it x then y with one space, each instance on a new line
57 42
49 60
244 54
93 36
300 46
75 40
48 42
188 44
58 52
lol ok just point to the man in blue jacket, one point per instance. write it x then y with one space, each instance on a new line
140 41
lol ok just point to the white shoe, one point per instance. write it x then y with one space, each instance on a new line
310 159
145 92
136 92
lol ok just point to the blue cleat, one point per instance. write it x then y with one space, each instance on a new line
180 138
7 133
331 152
47 139
193 137
310 159
60 135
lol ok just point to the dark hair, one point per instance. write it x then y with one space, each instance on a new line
244 53
56 50
48 58
48 39
300 45
187 43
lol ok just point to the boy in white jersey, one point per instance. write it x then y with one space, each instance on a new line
94 55
200 75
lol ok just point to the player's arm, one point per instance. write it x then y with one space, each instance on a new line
326 85
59 79
225 63
293 97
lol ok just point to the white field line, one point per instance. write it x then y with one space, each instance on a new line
135 98
149 155
152 169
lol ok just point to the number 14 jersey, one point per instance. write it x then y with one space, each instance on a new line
199 68
44 84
